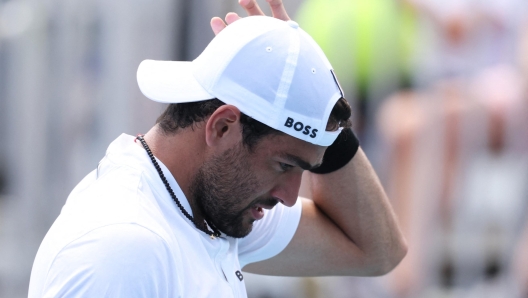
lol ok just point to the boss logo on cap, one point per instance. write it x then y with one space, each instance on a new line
299 126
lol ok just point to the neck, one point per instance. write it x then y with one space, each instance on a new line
182 153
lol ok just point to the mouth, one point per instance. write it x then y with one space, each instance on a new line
258 209
257 212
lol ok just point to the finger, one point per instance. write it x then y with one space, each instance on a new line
251 7
217 24
231 17
277 10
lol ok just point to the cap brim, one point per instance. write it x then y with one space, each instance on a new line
170 82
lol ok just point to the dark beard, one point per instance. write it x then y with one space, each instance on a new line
220 190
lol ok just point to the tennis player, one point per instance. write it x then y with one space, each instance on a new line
212 189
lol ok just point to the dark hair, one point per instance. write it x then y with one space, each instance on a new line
183 115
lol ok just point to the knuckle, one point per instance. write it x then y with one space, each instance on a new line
251 4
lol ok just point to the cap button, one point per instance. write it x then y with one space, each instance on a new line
293 24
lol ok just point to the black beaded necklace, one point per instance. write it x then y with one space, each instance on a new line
204 229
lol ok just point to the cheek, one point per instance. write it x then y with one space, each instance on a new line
254 182
265 172
270 181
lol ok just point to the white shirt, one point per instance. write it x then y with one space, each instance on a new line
120 234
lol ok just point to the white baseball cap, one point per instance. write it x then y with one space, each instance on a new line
271 70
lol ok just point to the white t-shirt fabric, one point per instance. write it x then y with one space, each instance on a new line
120 234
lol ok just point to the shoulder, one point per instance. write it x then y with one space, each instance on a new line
119 196
122 259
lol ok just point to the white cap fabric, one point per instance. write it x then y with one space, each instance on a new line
271 70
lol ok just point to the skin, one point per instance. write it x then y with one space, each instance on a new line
348 228
228 186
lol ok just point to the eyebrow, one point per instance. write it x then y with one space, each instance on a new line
299 161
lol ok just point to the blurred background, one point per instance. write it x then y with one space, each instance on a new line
440 97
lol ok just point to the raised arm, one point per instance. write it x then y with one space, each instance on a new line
348 229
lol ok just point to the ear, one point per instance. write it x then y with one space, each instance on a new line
223 127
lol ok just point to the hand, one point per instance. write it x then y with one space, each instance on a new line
251 7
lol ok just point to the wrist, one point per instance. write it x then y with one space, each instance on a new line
339 153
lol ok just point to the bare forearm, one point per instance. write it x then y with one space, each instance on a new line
355 201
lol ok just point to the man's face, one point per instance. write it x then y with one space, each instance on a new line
232 188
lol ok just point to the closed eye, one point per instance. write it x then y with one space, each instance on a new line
285 167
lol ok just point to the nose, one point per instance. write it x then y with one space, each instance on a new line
287 189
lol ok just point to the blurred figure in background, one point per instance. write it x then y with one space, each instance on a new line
460 193
459 37
457 175
490 197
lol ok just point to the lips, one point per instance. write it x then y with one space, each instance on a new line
257 212
258 209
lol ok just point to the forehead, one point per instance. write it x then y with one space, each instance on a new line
281 145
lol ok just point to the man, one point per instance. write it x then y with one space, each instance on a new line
180 211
